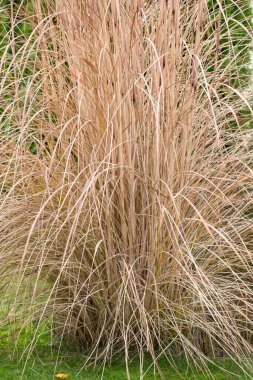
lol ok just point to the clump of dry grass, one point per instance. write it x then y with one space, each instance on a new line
126 179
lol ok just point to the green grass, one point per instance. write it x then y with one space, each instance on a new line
46 361
43 367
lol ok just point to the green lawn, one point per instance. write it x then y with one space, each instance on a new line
44 368
46 361
41 365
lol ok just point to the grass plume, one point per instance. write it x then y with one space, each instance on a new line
126 177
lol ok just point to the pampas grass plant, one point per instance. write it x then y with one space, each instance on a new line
126 178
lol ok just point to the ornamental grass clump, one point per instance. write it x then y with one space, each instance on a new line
126 177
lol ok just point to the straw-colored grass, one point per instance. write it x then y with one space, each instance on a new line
126 179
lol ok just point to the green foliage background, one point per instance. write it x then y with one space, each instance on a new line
238 21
